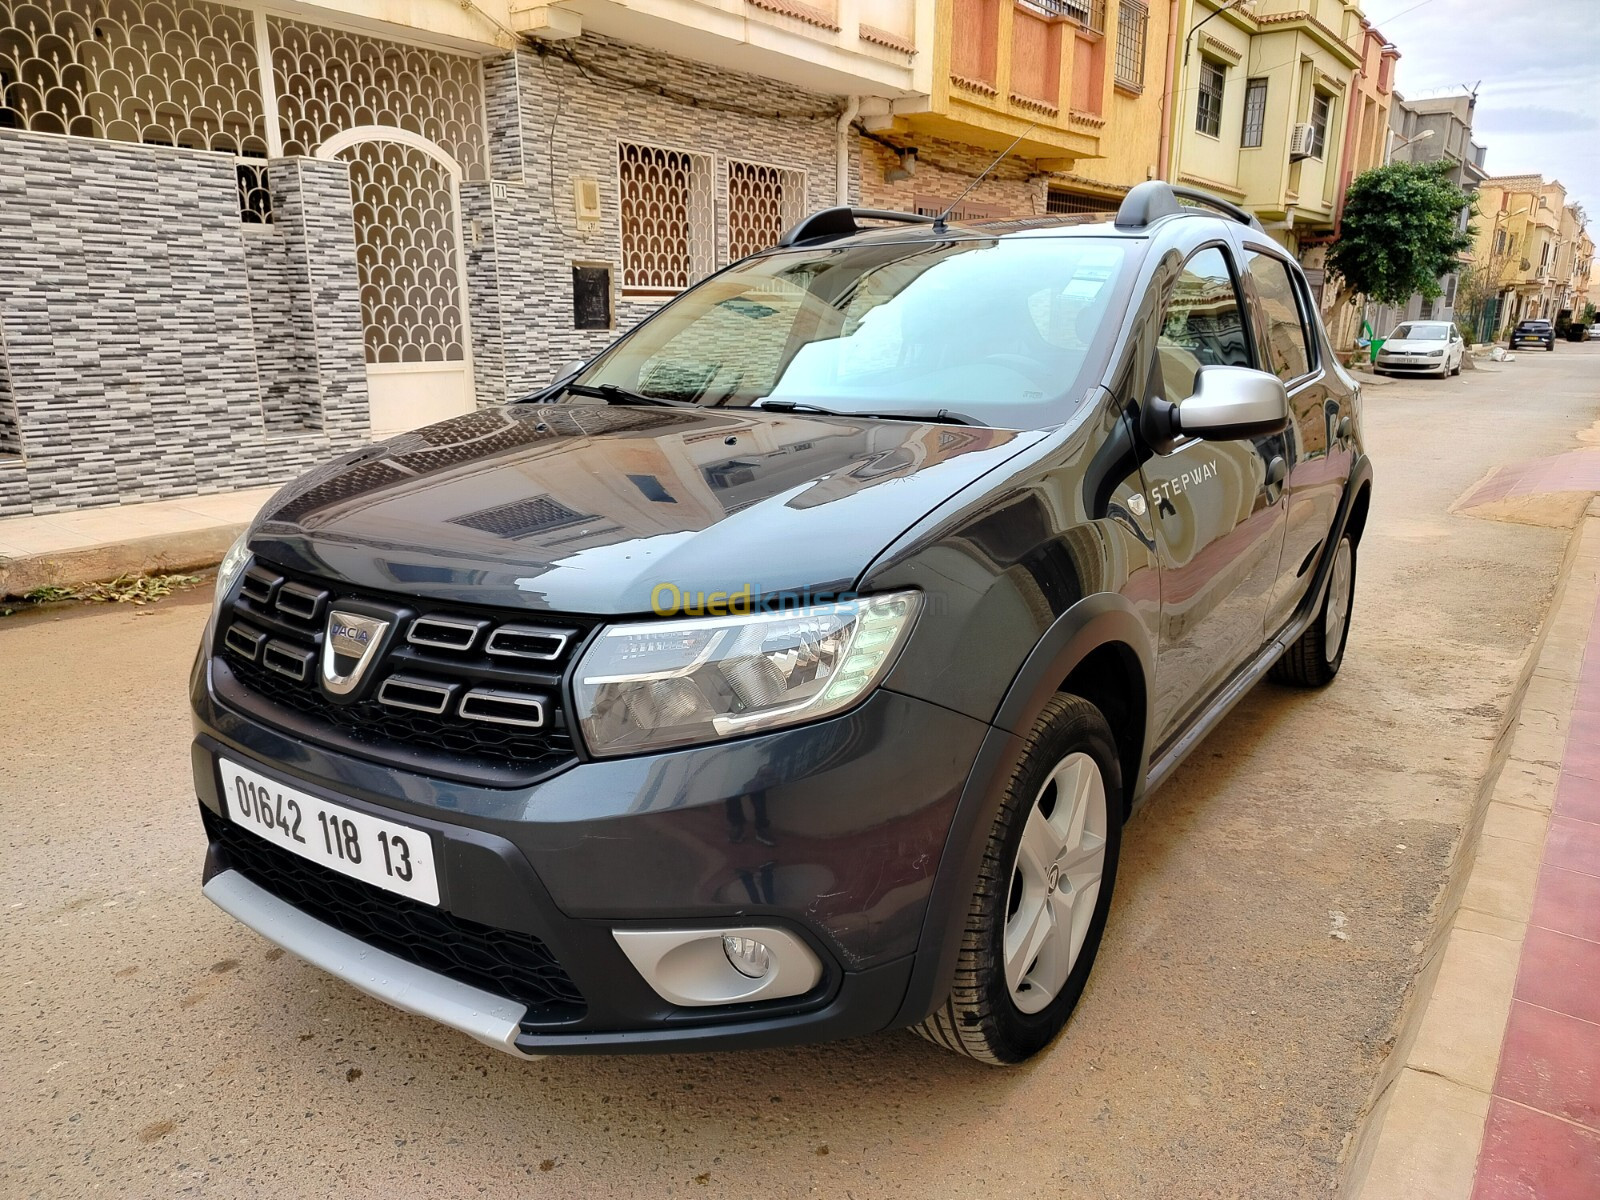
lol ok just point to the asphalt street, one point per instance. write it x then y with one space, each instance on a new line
1270 911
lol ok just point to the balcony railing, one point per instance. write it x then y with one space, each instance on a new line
1091 14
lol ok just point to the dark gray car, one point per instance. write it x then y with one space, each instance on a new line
789 671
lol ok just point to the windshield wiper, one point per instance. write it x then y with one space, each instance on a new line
612 393
944 415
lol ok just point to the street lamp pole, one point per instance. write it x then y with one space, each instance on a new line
1396 142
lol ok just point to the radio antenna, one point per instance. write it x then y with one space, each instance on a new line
939 221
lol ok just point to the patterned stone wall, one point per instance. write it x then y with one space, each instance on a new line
128 312
565 122
13 481
151 346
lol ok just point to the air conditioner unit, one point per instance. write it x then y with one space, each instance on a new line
1301 140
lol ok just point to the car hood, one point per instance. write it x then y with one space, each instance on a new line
587 509
1413 345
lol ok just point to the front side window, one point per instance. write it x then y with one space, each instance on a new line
1288 347
1000 330
1321 113
1255 112
1204 326
1208 106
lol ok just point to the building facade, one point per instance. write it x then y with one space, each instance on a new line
1076 85
242 239
1438 129
1266 105
1533 253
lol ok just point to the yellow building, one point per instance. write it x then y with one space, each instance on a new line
1269 97
1080 82
1535 249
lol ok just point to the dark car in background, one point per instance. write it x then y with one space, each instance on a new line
789 671
1534 333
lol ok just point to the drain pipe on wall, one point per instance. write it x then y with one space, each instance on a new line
1355 116
1164 165
852 106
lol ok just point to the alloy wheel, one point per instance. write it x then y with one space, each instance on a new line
1337 614
1055 882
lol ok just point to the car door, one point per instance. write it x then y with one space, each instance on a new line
1315 463
1217 508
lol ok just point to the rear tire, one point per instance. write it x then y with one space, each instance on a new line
1044 890
1316 656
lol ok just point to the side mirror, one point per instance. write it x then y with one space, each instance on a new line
1228 403
568 371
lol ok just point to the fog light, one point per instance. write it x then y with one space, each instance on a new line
749 957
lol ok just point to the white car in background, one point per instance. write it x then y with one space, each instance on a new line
1421 348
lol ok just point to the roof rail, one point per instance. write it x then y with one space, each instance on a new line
1154 199
841 222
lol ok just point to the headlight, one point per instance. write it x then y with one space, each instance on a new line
654 684
1435 353
232 565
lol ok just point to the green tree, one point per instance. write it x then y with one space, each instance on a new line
1401 232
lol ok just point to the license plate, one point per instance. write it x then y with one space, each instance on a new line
395 857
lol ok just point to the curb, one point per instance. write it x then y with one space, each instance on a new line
155 554
1424 1123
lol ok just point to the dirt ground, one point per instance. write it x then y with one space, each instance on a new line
1269 913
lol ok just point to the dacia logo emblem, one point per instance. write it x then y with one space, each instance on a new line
349 648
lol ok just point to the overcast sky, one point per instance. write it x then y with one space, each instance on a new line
1537 64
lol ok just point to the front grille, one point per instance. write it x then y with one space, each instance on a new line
516 965
459 691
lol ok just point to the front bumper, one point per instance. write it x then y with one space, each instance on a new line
832 832
1433 366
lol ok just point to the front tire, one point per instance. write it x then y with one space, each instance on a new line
1043 894
1315 657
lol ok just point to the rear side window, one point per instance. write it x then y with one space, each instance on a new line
1288 351
1204 326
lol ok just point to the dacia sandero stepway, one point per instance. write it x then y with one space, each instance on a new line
789 670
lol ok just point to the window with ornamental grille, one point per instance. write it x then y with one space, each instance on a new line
1208 104
158 72
666 217
763 204
1133 22
1255 113
330 80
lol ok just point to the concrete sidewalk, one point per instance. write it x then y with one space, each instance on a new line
68 549
1494 1084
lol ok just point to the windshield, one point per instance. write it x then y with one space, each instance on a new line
1421 331
997 331
1534 325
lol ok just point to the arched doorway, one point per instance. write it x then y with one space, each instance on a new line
406 201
